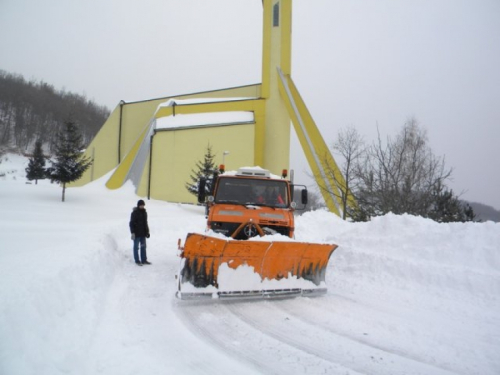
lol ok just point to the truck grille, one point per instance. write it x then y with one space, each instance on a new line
228 229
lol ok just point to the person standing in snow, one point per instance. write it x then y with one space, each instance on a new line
140 231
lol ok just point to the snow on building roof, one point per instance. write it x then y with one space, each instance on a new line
205 119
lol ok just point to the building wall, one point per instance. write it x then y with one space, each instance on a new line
102 151
127 122
176 151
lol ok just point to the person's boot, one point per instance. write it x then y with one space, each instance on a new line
138 263
146 262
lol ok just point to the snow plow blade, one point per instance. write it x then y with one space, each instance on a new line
236 269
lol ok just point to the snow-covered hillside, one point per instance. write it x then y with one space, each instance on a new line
406 295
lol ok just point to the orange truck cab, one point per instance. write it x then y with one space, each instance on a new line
250 202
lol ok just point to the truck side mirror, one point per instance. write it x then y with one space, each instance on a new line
304 196
201 190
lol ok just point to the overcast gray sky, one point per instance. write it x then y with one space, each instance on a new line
356 62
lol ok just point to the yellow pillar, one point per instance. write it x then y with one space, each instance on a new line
272 143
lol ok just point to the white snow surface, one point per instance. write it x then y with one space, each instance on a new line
204 119
405 295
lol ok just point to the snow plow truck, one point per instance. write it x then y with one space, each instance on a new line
248 250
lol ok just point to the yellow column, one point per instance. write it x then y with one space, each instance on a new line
273 144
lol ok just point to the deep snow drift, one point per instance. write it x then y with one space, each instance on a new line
406 295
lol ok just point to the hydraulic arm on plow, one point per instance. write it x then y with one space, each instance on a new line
236 261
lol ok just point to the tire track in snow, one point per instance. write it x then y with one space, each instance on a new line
209 325
224 326
274 321
349 312
382 324
134 330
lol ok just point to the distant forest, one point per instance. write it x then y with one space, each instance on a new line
32 111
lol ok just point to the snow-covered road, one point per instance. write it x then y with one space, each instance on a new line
406 295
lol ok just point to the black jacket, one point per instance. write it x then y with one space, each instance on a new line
139 222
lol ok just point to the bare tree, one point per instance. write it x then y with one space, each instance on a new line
400 177
350 146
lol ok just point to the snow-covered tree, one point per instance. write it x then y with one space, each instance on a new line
36 164
69 164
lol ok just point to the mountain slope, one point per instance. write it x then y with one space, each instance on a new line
31 111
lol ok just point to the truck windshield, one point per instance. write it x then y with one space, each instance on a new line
252 191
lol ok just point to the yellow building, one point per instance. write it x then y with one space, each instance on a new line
252 122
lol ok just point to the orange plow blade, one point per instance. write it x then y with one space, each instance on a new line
225 268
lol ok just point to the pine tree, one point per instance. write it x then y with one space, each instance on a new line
204 168
36 164
69 164
469 213
447 208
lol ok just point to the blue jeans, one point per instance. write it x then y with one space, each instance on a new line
142 242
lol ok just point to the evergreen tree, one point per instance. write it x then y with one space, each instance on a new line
36 164
469 213
204 168
69 164
447 208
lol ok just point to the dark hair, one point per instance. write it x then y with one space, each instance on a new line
140 202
